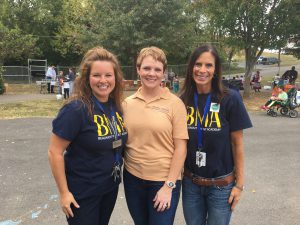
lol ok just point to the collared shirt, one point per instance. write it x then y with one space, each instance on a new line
152 127
51 73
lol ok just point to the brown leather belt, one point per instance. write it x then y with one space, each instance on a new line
209 181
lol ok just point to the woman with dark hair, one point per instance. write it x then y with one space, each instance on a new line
87 141
214 168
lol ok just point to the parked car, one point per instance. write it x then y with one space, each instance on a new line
269 60
236 84
259 59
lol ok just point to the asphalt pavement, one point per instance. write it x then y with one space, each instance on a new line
29 196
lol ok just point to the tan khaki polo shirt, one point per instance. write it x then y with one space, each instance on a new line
152 128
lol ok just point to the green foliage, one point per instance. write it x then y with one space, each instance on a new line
128 26
252 25
15 45
61 31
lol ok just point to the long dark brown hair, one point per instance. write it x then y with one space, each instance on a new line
82 88
189 87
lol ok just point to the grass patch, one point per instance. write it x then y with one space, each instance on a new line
234 70
256 100
50 108
23 89
286 60
37 108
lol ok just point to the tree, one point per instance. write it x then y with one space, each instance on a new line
14 44
74 36
252 25
2 86
295 39
127 26
38 19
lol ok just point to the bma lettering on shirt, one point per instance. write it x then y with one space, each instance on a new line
212 119
104 125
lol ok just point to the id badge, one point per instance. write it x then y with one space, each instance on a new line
117 143
200 158
214 107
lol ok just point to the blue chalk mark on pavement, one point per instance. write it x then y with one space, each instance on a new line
10 222
53 197
35 215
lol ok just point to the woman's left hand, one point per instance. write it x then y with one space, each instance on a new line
234 197
162 200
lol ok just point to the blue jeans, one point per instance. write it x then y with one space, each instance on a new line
205 205
139 195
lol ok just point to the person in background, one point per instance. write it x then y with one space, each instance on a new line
176 84
242 78
171 76
290 75
276 99
87 141
214 167
60 82
51 77
71 79
156 146
255 82
66 86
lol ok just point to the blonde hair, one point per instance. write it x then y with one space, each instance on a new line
154 52
82 89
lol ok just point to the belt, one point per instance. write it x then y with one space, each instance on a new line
209 181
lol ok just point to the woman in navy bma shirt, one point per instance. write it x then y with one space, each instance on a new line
87 141
214 167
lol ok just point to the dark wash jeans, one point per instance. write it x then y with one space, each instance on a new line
95 210
139 195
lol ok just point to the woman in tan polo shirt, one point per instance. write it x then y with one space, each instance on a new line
156 146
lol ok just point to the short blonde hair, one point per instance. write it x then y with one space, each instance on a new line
154 52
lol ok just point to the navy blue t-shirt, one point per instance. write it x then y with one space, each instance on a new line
222 119
90 157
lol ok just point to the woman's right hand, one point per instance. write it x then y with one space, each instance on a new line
65 201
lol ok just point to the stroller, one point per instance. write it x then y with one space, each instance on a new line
287 107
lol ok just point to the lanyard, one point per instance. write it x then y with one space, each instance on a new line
199 124
112 125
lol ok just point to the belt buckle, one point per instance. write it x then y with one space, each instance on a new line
194 178
206 182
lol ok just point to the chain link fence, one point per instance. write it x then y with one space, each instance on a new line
22 75
16 74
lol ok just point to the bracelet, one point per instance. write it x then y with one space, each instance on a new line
241 188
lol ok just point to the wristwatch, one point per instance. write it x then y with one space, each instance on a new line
170 184
241 188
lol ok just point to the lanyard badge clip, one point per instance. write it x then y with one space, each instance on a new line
200 154
200 158
117 172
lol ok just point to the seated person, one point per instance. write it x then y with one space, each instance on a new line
276 100
255 82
